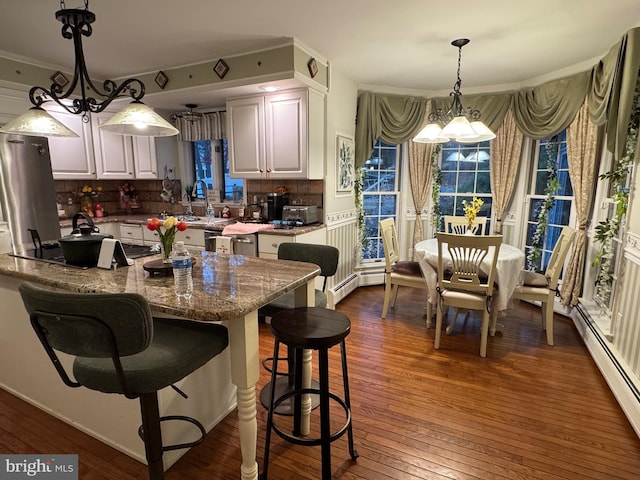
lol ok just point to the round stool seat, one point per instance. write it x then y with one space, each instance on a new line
310 327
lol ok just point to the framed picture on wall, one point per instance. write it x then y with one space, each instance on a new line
345 166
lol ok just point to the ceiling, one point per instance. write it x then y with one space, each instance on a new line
400 46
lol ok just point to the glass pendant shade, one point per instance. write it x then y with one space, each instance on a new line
140 120
482 133
459 128
37 122
432 133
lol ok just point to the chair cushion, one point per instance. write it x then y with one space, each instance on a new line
533 279
178 348
407 268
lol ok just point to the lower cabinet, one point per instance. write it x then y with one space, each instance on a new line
131 234
192 237
268 244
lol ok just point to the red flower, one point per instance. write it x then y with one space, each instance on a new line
182 226
154 224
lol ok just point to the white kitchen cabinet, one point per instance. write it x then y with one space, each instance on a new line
145 160
277 136
122 156
130 233
268 244
72 158
113 153
192 237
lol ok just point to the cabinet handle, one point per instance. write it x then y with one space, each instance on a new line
268 170
274 245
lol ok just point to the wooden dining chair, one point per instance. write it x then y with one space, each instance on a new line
398 273
467 280
538 287
458 225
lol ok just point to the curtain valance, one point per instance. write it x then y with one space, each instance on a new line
212 126
390 118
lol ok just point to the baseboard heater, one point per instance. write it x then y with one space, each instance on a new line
344 288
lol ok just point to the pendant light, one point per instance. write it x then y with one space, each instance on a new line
460 125
135 119
190 116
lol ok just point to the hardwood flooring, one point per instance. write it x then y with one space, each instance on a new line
526 411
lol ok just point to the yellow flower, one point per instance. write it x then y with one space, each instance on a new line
170 222
472 209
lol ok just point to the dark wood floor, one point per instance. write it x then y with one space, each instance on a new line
526 411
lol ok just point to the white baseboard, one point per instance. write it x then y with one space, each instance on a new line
622 382
344 288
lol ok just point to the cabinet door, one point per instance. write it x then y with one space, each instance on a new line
245 129
72 157
286 134
113 153
144 157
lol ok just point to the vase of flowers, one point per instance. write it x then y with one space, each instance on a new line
471 211
87 194
126 191
171 225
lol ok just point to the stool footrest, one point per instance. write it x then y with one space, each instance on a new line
179 446
311 441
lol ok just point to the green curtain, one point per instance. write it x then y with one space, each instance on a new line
622 91
390 118
546 110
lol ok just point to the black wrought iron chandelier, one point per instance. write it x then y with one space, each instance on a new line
189 115
457 123
135 119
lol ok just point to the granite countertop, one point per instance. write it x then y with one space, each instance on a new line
226 287
219 224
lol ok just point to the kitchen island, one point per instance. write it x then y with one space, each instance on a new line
227 288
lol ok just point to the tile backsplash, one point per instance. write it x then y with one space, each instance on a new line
148 199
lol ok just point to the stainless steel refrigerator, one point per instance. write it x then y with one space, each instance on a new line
28 194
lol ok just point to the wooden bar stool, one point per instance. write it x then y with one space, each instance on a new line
311 328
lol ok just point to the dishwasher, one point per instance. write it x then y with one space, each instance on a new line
245 244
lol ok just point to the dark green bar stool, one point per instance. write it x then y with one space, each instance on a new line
319 329
120 348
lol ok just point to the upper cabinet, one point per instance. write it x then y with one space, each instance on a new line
277 136
98 154
122 156
72 158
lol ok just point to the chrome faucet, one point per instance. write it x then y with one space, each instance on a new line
204 188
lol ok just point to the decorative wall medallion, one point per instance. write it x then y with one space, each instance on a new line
59 79
221 68
313 67
162 79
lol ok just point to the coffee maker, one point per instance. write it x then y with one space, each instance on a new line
275 202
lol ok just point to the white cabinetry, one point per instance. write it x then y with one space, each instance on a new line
122 156
192 237
131 234
268 244
72 158
277 136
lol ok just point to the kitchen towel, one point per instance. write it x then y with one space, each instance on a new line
240 228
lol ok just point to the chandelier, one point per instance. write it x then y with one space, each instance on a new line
189 116
460 125
135 119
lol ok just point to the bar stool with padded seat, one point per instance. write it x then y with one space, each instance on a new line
311 328
120 348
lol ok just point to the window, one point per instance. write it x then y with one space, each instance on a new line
551 154
380 193
211 164
465 174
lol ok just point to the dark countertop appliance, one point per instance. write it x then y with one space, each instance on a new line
275 204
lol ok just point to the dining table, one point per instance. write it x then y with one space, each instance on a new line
226 288
509 268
